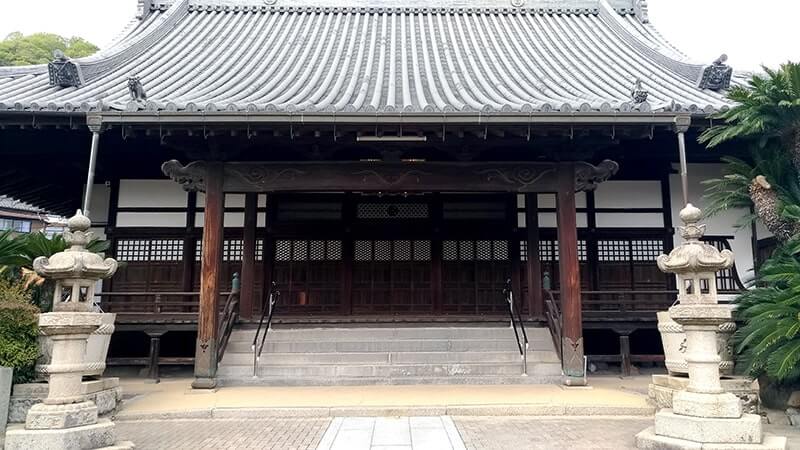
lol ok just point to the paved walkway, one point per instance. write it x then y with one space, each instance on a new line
395 433
174 399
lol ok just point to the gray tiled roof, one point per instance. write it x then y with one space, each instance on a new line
9 203
374 56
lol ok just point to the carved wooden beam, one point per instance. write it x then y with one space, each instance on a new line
390 176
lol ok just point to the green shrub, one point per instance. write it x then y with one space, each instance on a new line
18 330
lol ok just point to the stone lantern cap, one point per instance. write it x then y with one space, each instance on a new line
76 262
694 256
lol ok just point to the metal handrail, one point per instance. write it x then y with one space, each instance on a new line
554 320
508 293
230 315
274 295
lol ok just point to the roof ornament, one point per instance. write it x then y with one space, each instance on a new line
136 89
63 71
143 8
518 3
639 93
717 76
640 10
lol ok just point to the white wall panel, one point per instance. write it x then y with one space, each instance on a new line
549 200
151 193
722 224
141 219
628 194
234 200
549 220
630 220
98 209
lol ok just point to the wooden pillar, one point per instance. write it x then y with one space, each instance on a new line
348 253
625 354
205 362
513 249
247 293
155 354
569 278
437 291
534 265
189 245
268 251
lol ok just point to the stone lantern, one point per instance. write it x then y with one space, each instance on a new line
66 419
703 413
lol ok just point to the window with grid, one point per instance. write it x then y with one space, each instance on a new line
376 210
144 250
305 250
484 250
548 250
401 250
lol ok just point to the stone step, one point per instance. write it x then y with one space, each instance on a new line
388 371
383 333
246 358
362 381
405 345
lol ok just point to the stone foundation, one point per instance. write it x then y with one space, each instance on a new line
95 436
104 392
663 387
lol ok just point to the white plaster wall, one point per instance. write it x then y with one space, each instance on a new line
98 209
722 224
151 193
145 219
549 200
628 194
628 220
549 220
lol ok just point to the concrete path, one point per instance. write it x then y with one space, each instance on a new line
174 399
395 433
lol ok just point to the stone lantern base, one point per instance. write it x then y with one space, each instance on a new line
99 435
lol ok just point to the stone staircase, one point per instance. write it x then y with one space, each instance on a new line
408 354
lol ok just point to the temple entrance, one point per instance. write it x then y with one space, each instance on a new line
422 254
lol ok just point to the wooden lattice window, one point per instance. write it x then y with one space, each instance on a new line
392 211
145 250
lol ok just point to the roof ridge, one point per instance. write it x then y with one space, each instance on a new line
633 7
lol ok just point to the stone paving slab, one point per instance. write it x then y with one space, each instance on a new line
396 433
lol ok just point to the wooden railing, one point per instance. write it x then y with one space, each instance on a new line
552 312
627 301
153 303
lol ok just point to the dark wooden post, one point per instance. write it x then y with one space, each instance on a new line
534 265
189 246
513 249
437 291
569 277
625 354
268 250
205 362
155 355
247 293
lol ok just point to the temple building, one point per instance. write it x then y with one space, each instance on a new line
399 165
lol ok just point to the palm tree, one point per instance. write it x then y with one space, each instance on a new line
768 110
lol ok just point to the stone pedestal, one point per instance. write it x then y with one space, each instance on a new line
6 377
663 387
105 393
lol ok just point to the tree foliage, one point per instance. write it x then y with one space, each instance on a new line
767 116
19 50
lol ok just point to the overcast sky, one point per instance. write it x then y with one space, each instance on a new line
750 32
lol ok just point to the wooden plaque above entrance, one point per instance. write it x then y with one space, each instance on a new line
390 176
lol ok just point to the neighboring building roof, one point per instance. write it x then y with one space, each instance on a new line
8 203
379 56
